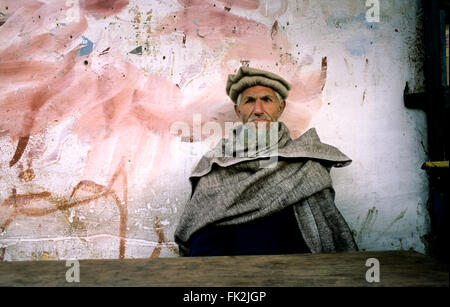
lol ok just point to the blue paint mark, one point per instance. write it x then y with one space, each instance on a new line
335 21
357 45
137 50
88 45
345 21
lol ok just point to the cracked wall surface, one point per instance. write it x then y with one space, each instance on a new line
92 165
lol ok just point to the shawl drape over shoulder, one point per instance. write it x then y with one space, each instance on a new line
230 190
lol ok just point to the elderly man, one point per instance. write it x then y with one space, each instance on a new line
241 204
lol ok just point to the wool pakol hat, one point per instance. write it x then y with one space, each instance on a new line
247 77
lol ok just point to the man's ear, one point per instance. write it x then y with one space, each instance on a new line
282 106
236 110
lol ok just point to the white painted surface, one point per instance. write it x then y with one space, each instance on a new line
382 195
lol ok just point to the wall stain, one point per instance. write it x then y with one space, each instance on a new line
368 223
21 146
198 33
104 7
399 217
274 29
27 175
158 227
273 35
347 65
3 18
21 203
323 72
105 51
184 40
75 223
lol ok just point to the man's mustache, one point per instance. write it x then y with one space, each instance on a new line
255 117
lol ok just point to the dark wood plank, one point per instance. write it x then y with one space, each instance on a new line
397 268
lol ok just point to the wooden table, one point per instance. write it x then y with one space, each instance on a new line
397 268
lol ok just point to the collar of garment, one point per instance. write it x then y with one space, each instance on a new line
236 149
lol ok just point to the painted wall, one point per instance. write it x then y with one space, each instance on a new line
91 93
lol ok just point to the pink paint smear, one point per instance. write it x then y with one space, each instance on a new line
119 112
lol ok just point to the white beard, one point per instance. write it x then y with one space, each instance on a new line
252 142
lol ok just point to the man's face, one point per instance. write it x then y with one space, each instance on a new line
259 104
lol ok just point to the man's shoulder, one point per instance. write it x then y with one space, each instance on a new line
309 145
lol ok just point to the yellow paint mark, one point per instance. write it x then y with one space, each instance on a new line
45 256
432 164
138 17
41 256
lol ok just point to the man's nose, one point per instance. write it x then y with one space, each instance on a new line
258 107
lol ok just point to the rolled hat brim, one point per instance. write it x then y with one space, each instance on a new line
247 77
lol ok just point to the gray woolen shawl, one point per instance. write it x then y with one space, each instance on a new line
230 190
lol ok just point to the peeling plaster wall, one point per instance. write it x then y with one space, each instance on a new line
89 93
